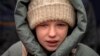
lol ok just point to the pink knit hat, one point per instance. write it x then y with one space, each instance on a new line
43 10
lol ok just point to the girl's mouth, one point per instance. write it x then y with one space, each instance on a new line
52 43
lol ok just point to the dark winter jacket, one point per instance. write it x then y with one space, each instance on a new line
32 47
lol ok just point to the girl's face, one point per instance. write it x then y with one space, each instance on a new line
51 34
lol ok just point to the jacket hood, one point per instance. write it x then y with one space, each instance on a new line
28 39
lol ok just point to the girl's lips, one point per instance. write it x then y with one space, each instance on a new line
52 43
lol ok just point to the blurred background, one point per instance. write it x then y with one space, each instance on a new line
8 35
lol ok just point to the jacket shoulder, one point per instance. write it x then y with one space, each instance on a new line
84 50
14 50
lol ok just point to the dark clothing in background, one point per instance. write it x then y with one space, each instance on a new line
90 37
96 7
7 26
93 27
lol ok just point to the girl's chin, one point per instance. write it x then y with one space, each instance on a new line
51 48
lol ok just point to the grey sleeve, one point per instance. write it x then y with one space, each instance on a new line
6 53
14 50
84 50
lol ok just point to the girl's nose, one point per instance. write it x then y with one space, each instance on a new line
52 32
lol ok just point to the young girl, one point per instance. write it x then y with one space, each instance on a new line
50 28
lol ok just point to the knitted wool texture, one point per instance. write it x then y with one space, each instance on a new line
44 10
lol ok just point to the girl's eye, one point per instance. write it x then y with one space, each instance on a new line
43 25
61 24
